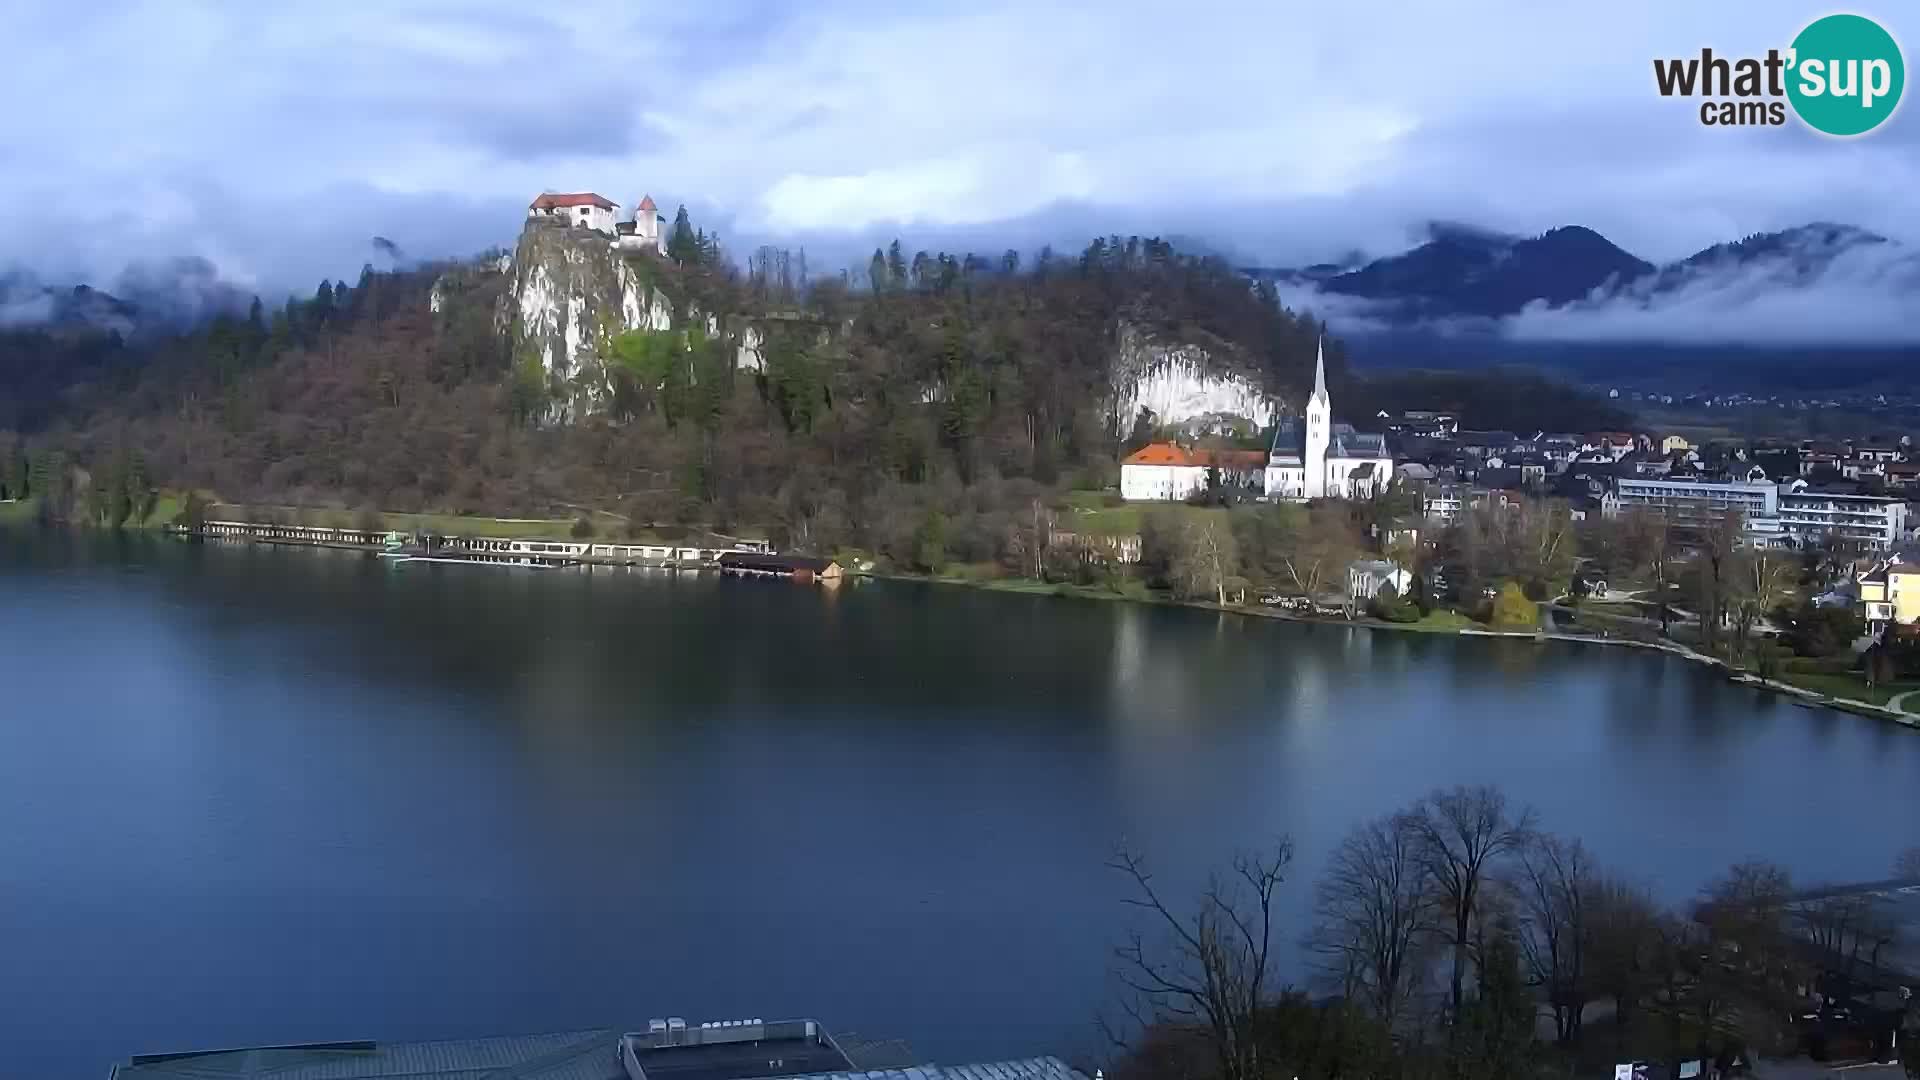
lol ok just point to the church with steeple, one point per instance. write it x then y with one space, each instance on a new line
1314 458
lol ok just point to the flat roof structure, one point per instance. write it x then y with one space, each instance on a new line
570 1055
727 1050
730 1050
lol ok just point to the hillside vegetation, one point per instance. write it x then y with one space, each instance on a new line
954 385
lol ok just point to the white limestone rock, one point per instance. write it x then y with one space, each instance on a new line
1181 382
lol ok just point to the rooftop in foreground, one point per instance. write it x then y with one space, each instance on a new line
786 1050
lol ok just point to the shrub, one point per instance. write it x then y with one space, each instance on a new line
1512 609
582 528
1390 606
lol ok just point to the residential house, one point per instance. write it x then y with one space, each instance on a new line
1818 456
1367 577
1890 593
1903 474
1482 443
1560 449
1674 444
1615 444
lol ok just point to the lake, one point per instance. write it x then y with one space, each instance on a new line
257 795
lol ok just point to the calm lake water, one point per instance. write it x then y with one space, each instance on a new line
251 795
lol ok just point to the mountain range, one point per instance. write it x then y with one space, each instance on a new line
1818 306
157 296
1462 272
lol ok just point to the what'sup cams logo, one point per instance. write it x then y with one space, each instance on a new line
1842 76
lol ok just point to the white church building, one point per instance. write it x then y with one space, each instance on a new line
1321 459
1314 459
590 210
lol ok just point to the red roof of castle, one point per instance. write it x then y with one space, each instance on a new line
646 203
552 200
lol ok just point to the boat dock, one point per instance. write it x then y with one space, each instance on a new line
402 548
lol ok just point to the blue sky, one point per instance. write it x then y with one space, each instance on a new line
277 139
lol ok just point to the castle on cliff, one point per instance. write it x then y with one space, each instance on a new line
591 210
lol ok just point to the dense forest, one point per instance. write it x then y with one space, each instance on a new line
932 383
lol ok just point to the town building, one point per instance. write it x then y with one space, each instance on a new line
1807 515
1318 458
1615 444
1367 577
1890 593
1443 503
1772 513
1171 471
1695 500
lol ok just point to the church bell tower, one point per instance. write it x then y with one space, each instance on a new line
1319 427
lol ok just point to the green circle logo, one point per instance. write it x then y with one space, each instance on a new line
1846 75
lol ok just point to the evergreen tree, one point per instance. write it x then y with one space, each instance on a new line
13 473
877 272
139 488
683 244
323 302
896 267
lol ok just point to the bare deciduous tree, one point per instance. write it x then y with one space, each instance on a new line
1464 834
1213 972
1207 558
1553 885
1373 907
1850 927
1625 932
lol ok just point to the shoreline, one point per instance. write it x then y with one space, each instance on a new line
1735 675
1027 587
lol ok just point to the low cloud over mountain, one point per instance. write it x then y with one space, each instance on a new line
1816 285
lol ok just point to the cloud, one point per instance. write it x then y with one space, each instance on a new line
1847 294
274 140
1863 296
26 310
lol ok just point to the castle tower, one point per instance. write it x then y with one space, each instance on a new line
646 220
1319 426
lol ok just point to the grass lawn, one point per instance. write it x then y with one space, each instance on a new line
1088 512
1846 685
1625 609
17 511
1441 622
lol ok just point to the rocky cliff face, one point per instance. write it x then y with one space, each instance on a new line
1184 383
570 292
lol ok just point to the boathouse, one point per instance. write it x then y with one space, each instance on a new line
797 567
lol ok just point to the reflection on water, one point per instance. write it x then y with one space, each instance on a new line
251 795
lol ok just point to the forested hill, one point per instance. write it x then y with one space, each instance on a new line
956 382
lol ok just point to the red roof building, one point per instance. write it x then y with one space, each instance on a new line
557 201
1166 453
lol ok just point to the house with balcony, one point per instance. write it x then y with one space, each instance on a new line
1811 516
1890 593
